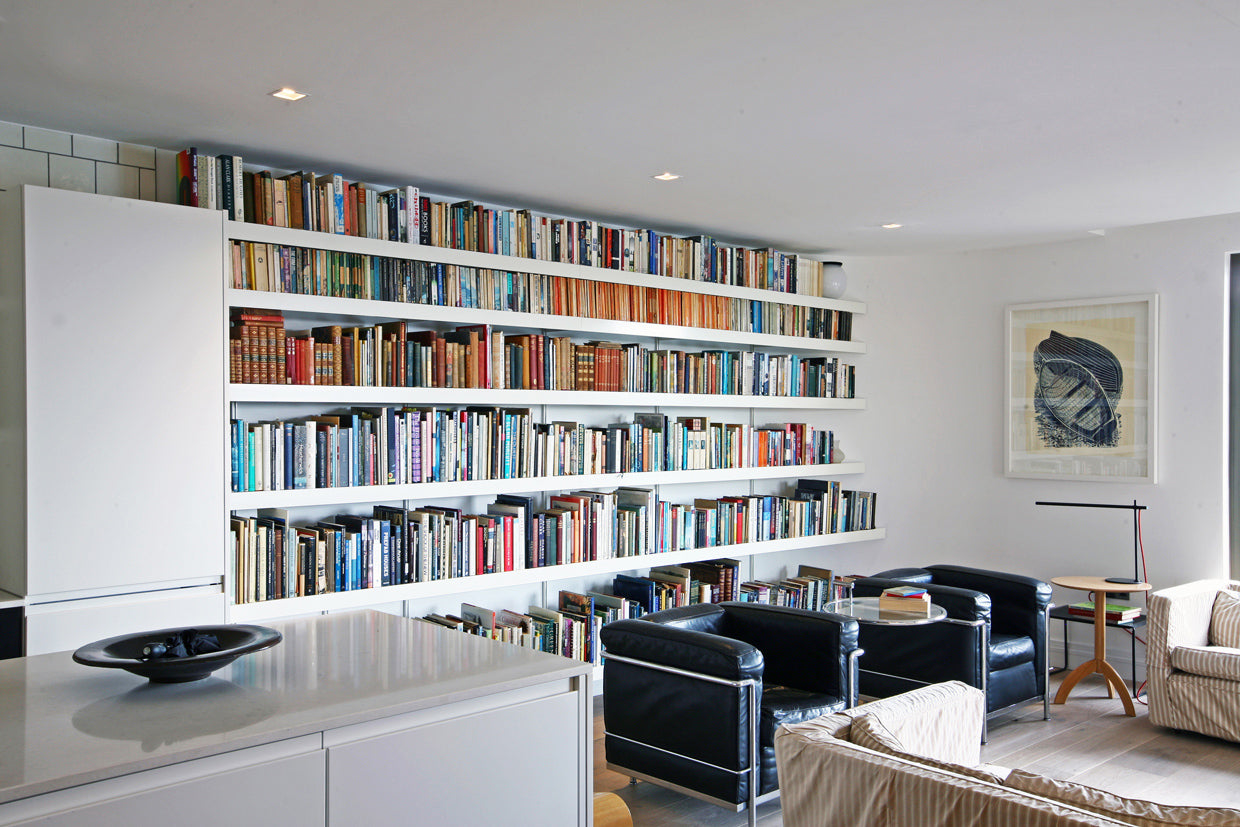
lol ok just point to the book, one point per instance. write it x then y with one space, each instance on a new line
911 599
1113 611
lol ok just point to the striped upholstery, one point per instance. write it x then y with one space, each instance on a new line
941 721
868 731
1180 617
1133 811
1210 661
1225 620
826 780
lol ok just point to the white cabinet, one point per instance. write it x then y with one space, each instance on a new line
353 719
520 760
275 785
114 399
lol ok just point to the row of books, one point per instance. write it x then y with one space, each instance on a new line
275 558
572 629
284 269
392 354
409 445
716 581
329 203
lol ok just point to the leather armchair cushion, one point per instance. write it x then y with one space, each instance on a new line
804 649
784 705
1010 650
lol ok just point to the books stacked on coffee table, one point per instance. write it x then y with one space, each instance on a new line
905 599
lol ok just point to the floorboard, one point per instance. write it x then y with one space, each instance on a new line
1088 740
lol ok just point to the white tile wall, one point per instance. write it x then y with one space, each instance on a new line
22 166
10 134
137 156
45 140
114 179
100 149
33 155
146 185
67 173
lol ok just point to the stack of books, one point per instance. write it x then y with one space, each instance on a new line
1115 612
908 599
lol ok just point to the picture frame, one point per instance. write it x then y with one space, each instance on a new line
1082 390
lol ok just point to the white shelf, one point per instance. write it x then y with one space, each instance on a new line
365 395
467 258
368 311
238 501
268 610
11 601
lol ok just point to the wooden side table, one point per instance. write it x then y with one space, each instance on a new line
1101 588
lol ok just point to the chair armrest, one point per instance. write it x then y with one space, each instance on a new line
908 575
1179 616
800 648
942 721
680 648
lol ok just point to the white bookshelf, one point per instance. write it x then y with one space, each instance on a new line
508 397
360 598
250 401
439 490
468 258
367 311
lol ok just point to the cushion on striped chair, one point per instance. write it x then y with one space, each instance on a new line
1208 661
1225 620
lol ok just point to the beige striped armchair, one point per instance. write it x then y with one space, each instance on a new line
1194 683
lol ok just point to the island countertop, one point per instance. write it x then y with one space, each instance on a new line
64 724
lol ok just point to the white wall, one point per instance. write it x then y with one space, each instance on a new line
933 436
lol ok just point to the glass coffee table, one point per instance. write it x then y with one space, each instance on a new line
865 610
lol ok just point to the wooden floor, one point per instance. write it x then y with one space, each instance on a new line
1088 739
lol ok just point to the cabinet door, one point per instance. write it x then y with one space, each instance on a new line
125 417
518 766
56 627
285 792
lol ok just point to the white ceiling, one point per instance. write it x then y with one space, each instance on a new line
802 124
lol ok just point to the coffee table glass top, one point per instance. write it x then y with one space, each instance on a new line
865 610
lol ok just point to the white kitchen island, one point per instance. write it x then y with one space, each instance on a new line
354 719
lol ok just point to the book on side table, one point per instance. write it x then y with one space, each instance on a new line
909 599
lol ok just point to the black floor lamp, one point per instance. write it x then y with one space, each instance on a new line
1136 535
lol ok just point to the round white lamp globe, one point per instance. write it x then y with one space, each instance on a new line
834 279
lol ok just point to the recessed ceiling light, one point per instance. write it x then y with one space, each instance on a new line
288 94
891 226
666 176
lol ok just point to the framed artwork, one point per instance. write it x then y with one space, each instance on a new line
1082 390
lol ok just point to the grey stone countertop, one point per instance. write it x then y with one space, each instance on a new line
63 724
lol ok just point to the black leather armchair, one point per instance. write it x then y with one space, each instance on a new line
692 696
994 636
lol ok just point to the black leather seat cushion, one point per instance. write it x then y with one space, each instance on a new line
1010 650
783 705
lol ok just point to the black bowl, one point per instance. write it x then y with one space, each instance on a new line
125 652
